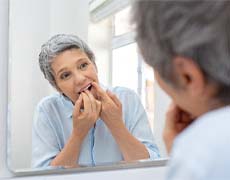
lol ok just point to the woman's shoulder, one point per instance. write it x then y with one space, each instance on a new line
122 90
53 99
125 94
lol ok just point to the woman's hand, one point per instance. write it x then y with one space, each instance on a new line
176 121
111 113
111 107
84 119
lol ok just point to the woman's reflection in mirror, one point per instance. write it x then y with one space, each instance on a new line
86 123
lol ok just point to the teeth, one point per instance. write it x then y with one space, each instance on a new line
87 87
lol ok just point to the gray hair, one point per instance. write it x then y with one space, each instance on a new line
199 30
55 46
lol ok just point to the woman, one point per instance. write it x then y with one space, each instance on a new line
188 43
85 123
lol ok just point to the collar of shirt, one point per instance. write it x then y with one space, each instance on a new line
68 105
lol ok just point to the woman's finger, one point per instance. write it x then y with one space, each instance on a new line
77 106
92 100
98 106
87 104
114 98
102 95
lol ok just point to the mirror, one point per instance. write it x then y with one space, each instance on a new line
33 22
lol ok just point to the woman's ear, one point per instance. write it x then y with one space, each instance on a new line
189 76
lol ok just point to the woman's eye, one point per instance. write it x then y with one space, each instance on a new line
65 75
83 66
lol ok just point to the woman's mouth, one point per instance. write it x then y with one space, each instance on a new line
86 88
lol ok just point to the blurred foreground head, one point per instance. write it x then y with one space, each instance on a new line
195 31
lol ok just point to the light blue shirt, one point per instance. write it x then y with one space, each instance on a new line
202 151
53 126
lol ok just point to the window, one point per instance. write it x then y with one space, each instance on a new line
121 20
119 59
112 38
125 64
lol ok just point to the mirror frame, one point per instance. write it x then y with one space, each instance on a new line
117 166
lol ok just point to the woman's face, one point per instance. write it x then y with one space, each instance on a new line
74 73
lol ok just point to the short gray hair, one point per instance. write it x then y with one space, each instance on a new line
55 46
199 30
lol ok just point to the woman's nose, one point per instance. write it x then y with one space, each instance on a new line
79 78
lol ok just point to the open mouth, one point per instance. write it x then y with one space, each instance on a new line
86 88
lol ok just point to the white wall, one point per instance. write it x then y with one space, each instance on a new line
70 16
32 22
28 30
3 81
99 40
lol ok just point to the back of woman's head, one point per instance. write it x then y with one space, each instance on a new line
197 30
